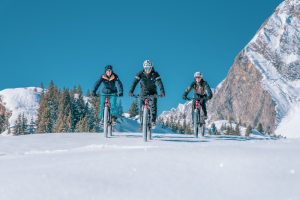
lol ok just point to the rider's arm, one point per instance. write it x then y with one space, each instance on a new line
135 82
208 91
159 83
119 85
97 84
188 89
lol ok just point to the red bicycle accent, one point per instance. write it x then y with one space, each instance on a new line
197 104
107 101
146 104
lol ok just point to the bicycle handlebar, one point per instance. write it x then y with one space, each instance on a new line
145 96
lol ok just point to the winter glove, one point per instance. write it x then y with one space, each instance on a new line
131 94
120 94
162 94
184 97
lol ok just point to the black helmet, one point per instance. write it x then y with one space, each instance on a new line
108 67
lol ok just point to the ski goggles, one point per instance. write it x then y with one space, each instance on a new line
148 68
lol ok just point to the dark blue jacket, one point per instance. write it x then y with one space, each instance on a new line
112 84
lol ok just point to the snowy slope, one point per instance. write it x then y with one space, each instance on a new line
87 166
21 100
275 52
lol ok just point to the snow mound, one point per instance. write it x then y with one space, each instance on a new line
21 100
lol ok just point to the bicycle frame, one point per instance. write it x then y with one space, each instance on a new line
146 118
107 117
198 124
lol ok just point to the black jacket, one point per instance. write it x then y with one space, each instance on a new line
110 84
201 89
148 83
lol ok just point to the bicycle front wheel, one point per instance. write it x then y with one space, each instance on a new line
105 122
196 123
145 124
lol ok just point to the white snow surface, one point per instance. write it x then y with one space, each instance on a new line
21 100
87 166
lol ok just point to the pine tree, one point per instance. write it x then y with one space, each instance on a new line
32 127
237 129
248 131
134 109
64 110
214 129
260 128
223 127
4 117
24 125
18 125
53 95
47 112
77 106
93 106
82 126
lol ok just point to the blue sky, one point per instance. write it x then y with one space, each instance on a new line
70 41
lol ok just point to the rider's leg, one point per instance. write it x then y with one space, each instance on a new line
113 106
102 102
141 109
153 108
193 108
203 105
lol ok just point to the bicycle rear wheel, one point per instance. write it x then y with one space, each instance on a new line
145 124
196 123
105 122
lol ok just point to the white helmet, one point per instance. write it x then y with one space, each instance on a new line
197 74
147 63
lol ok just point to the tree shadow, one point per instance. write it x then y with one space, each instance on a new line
238 138
183 141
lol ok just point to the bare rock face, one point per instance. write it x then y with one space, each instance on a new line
241 97
263 84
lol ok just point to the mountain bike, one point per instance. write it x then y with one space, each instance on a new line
199 121
146 117
107 121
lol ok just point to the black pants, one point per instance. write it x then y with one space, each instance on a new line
153 108
203 107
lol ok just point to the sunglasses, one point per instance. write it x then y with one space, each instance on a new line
109 70
148 68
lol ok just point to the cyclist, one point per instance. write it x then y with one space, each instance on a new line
148 79
201 91
113 87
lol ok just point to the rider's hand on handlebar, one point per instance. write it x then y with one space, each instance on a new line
162 94
131 94
185 97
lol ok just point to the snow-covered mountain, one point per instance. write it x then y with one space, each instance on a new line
263 85
182 112
21 100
